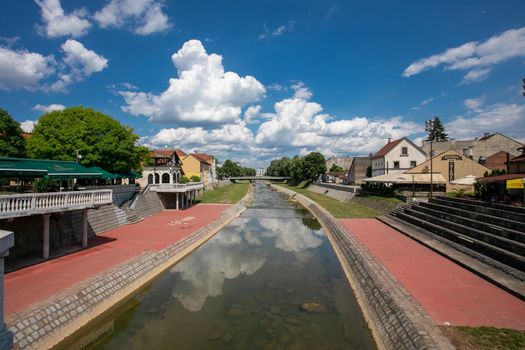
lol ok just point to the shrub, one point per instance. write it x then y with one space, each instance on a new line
379 189
195 178
46 185
184 180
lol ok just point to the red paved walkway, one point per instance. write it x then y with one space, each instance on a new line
33 284
447 291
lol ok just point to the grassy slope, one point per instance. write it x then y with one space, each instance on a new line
335 207
231 193
485 338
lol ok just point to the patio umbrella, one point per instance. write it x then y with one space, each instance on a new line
468 180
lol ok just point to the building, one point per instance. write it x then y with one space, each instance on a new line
261 171
201 165
497 161
166 168
357 171
343 162
396 157
477 149
336 177
517 164
451 165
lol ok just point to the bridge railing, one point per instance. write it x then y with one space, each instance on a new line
38 203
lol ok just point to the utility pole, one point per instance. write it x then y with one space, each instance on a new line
429 128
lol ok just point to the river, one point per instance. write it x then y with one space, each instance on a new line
245 289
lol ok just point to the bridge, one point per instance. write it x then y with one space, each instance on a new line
254 178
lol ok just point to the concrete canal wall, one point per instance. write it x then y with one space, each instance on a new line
48 323
396 319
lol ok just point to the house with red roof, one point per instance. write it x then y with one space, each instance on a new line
396 157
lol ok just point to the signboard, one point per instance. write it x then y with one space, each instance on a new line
452 157
515 184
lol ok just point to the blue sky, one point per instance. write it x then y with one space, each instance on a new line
254 81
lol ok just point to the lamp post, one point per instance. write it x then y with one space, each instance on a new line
429 128
413 186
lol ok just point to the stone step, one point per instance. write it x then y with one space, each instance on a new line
510 208
479 225
133 219
510 215
493 220
501 242
508 258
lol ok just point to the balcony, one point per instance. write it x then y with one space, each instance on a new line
176 188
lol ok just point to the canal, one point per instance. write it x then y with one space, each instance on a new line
268 280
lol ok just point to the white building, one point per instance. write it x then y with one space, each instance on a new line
396 157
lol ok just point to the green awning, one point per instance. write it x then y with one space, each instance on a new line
106 175
129 175
53 169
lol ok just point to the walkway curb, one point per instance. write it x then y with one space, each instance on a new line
396 319
48 323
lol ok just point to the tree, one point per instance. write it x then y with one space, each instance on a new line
232 169
99 139
436 131
12 144
296 168
314 165
336 168
195 178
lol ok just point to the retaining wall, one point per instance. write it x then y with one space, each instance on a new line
396 319
44 325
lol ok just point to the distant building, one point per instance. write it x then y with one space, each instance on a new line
343 162
336 177
477 149
517 164
357 171
396 157
261 171
201 165
497 161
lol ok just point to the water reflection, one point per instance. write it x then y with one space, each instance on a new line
203 273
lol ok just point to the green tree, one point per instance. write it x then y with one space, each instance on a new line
436 131
99 139
12 144
296 168
336 168
195 178
314 166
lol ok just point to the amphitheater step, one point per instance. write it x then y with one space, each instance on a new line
508 258
133 219
498 241
509 215
511 208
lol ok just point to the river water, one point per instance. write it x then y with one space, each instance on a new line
245 289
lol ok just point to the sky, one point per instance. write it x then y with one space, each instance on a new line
257 80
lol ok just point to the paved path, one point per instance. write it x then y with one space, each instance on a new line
447 291
39 282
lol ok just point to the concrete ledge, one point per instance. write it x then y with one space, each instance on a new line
396 319
46 324
499 278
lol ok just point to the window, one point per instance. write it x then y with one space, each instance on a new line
465 152
413 163
396 165
404 151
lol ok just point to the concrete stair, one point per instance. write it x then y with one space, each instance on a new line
493 231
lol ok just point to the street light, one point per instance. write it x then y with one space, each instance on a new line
429 128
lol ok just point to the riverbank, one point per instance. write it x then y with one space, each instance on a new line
338 209
50 301
229 194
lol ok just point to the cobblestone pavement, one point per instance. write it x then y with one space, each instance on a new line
448 292
396 319
44 324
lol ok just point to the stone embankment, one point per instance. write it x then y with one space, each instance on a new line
396 319
45 325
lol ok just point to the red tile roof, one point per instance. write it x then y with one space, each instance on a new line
180 153
163 152
500 177
203 158
387 148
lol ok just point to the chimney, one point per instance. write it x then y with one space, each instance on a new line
389 139
486 134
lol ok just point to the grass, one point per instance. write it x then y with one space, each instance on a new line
485 338
379 198
337 208
231 193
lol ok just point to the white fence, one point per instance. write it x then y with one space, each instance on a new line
41 203
179 188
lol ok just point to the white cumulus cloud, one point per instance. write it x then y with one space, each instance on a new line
474 103
57 23
202 93
28 125
23 69
49 108
477 58
142 16
301 91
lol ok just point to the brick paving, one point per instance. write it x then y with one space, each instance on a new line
150 244
448 292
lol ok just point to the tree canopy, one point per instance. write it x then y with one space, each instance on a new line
436 131
232 169
99 139
336 168
309 167
12 144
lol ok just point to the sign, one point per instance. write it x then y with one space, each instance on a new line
515 184
452 157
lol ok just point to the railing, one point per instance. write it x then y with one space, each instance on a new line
39 203
176 187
